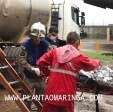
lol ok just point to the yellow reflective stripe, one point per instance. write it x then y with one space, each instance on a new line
67 72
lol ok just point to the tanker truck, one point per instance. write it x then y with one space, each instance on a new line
17 15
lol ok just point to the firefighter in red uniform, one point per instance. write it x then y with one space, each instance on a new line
62 65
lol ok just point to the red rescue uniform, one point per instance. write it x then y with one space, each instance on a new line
64 62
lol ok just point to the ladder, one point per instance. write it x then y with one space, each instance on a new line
8 85
55 15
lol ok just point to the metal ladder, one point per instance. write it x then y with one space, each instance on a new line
8 85
55 15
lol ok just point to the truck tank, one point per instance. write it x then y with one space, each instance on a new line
15 15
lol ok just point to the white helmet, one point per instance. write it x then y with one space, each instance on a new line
37 29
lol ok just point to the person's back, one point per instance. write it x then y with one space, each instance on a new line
65 63
63 72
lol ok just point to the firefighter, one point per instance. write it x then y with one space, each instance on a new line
62 66
33 48
36 45
53 39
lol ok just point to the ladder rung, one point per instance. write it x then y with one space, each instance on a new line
55 8
14 82
5 67
34 108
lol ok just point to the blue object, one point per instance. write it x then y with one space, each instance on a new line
35 52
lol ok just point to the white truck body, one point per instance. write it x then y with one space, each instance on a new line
68 18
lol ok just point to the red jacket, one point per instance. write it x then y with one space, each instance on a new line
60 83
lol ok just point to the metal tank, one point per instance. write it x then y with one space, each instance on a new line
15 15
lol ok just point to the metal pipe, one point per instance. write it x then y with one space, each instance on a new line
15 15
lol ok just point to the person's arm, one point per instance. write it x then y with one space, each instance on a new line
24 64
89 64
22 58
45 61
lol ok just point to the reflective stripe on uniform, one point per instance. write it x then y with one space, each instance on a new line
65 72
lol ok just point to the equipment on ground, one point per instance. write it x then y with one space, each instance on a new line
99 81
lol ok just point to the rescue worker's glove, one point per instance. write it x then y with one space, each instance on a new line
36 70
32 72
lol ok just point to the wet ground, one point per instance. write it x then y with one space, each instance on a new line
105 103
87 104
7 106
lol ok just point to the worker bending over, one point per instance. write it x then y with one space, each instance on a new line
34 47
